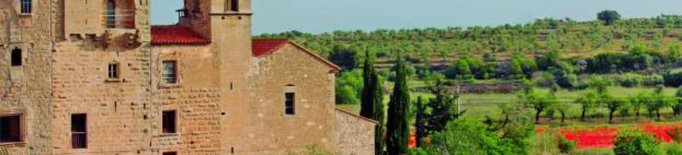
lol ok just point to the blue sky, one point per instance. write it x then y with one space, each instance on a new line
317 16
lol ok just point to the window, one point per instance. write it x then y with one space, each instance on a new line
111 14
169 121
10 129
170 72
16 57
170 153
232 5
114 71
26 6
79 136
289 103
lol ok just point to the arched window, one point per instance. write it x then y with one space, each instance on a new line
16 57
232 5
111 14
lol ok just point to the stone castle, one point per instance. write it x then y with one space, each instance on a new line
94 77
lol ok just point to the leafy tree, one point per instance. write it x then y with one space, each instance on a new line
516 70
538 101
398 131
636 103
608 16
344 57
636 143
372 101
672 79
600 84
465 136
563 108
348 86
673 55
549 59
613 104
587 102
677 102
437 112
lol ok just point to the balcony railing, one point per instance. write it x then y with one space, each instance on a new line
120 18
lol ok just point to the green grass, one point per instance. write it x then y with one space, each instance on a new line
478 106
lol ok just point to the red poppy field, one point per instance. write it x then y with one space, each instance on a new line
603 137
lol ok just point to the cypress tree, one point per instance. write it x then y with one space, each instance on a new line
372 102
398 131
379 113
368 92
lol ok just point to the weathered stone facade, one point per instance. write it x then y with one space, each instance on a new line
362 141
101 59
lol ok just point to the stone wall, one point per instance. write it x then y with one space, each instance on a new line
274 132
26 90
354 134
118 110
195 98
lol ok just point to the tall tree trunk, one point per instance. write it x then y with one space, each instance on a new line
563 116
611 115
582 116
537 116
658 114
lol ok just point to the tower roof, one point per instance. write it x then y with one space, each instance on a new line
176 34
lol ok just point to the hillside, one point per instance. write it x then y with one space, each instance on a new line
439 46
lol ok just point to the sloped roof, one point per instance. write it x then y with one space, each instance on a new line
265 47
356 116
176 34
262 47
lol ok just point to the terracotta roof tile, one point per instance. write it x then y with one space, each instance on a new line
176 34
262 47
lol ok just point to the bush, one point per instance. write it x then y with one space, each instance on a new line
673 79
674 149
653 80
566 146
629 80
348 87
636 143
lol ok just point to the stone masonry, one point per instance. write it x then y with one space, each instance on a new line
101 64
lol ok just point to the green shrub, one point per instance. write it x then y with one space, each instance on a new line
636 143
629 80
566 146
673 79
674 149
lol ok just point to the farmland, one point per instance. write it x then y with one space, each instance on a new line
586 82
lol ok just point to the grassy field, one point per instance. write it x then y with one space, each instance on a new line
478 106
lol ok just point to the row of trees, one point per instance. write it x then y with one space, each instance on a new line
652 102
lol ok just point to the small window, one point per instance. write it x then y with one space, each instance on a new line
169 121
26 6
10 129
111 14
114 71
79 131
232 5
170 153
290 99
16 57
170 72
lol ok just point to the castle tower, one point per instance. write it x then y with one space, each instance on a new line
227 23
